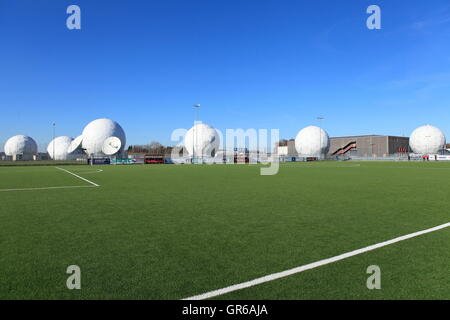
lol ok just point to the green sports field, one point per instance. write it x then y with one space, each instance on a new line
176 231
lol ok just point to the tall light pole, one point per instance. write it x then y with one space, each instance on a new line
54 125
320 135
427 156
197 108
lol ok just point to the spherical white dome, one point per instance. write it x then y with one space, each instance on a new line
96 133
21 144
427 139
202 140
61 145
312 141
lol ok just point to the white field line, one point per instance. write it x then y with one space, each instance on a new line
313 265
320 166
90 171
407 168
84 179
45 188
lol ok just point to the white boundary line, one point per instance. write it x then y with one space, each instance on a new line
92 184
313 265
84 179
45 188
94 171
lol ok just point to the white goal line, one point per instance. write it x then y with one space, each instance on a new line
310 266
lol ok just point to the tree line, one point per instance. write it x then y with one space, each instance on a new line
153 148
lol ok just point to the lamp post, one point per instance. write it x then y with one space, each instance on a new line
197 108
428 143
320 136
54 125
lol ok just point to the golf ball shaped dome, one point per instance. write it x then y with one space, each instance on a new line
20 144
96 133
60 145
312 141
427 139
202 140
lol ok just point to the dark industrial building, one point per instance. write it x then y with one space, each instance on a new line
368 146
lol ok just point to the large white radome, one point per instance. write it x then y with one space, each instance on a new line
97 132
61 145
312 141
21 145
427 139
202 140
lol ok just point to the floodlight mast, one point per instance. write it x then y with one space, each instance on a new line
320 136
197 107
54 125
428 143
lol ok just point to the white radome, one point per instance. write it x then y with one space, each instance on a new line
427 139
202 140
21 144
111 146
97 132
312 141
61 152
75 145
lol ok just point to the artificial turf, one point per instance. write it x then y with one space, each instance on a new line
174 231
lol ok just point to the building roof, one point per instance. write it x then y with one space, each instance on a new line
368 136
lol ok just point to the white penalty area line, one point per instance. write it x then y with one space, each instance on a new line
84 179
45 188
310 266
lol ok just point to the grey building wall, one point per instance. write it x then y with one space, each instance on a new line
292 152
369 146
398 145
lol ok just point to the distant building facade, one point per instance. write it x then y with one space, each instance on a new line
364 146
287 149
368 146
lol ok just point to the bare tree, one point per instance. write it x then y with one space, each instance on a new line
282 143
156 148
155 145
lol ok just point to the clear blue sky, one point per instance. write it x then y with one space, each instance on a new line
251 64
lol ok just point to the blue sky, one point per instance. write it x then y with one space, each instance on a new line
251 64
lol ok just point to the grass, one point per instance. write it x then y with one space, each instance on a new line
170 232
